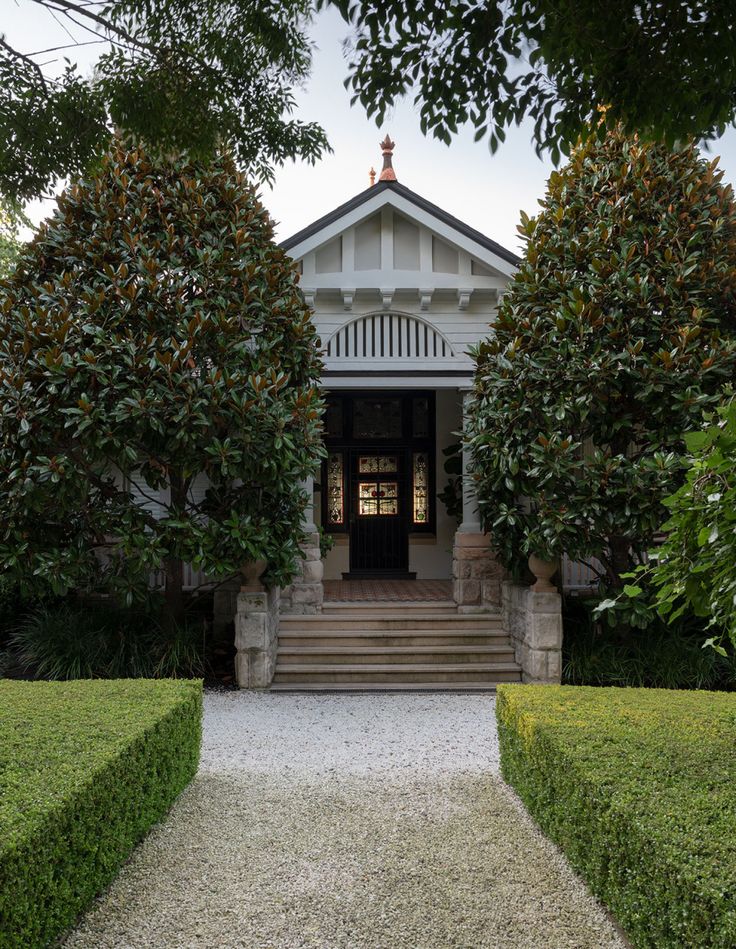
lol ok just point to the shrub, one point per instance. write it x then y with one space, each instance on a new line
85 769
638 787
658 656
693 571
66 641
618 330
158 367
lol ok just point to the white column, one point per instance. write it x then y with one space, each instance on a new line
308 516
471 517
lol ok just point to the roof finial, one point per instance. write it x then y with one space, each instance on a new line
387 172
372 175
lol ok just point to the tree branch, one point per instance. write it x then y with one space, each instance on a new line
26 59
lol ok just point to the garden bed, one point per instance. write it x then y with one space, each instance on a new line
85 769
638 787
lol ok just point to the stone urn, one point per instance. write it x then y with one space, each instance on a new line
251 573
543 570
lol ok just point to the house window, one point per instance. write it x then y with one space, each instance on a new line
333 418
377 418
335 489
420 417
378 464
378 497
420 487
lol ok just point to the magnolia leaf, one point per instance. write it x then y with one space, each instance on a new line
717 647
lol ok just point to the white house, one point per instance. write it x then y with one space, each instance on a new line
400 290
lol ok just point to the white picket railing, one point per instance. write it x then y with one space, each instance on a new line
578 577
193 579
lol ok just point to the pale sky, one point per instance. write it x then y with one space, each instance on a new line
485 191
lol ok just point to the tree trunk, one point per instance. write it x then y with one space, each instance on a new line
620 560
173 566
174 594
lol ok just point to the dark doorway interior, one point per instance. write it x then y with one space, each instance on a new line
378 480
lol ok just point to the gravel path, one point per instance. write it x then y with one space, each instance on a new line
347 822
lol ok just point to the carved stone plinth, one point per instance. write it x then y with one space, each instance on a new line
534 621
306 592
256 638
476 573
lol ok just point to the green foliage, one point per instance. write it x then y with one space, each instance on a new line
12 219
158 370
452 493
638 788
618 329
693 570
86 768
656 656
493 64
176 75
326 541
62 641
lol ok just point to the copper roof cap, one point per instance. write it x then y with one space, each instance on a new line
387 172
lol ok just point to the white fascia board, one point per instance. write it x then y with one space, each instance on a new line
438 365
335 383
409 210
404 280
370 207
448 233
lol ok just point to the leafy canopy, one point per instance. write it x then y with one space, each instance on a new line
667 69
618 330
176 75
158 371
693 570
12 219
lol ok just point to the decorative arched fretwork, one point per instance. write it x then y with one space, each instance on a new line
388 336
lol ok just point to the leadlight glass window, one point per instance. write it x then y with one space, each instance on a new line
378 497
333 418
420 487
420 417
377 464
335 489
377 418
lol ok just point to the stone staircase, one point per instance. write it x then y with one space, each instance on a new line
393 646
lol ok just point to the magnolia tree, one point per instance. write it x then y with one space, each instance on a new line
618 330
158 368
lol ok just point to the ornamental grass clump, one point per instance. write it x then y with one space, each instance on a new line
158 373
618 330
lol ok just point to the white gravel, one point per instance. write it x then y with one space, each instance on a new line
349 735
347 822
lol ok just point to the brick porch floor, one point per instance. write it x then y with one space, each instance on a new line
405 591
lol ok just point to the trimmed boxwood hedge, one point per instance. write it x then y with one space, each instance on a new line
638 787
86 767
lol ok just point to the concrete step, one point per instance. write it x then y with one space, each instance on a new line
366 620
350 688
400 655
428 673
389 607
398 637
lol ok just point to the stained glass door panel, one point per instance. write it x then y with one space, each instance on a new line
379 512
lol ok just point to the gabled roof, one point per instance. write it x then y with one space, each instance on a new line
416 199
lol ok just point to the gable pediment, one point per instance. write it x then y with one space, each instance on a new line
388 236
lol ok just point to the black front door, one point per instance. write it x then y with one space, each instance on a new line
379 511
